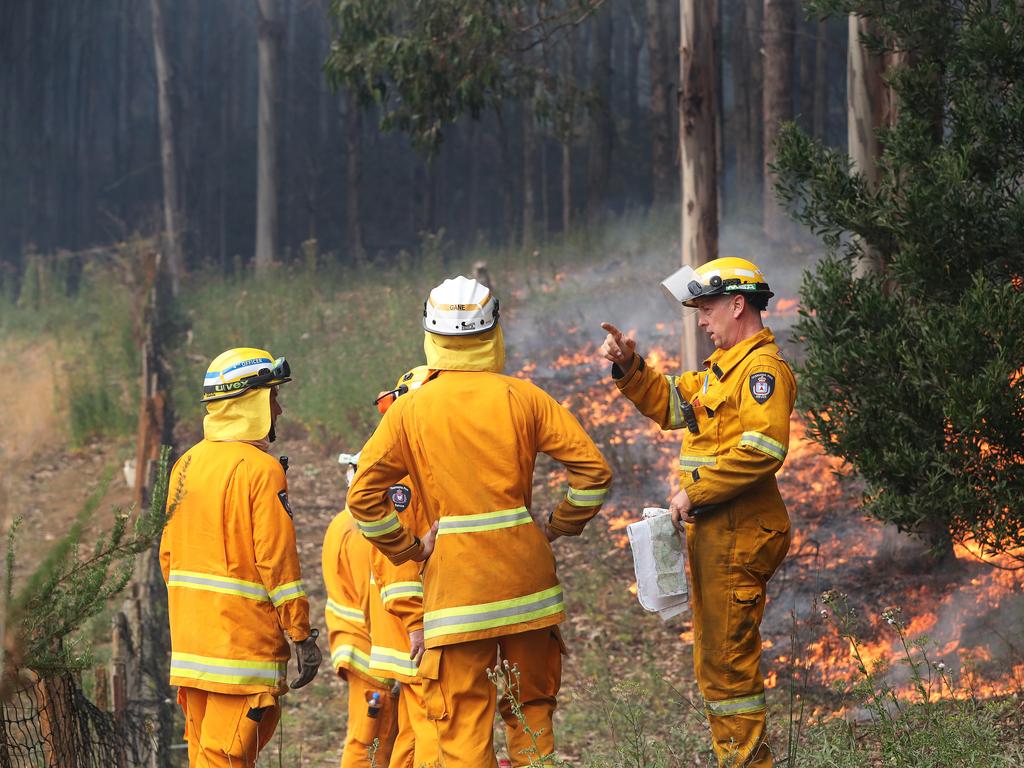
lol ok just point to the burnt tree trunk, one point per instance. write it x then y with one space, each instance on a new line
529 177
663 177
599 158
352 120
805 45
865 107
749 152
864 101
698 152
168 155
778 103
820 80
267 165
475 150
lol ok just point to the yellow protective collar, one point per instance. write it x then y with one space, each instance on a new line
246 417
482 352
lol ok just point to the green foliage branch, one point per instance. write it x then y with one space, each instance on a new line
70 586
914 324
426 63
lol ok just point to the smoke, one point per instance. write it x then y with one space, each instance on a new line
619 282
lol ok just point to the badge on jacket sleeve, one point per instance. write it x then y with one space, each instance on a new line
283 498
400 496
762 385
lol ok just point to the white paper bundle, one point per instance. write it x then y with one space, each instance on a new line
659 559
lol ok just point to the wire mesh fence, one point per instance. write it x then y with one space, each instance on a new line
51 723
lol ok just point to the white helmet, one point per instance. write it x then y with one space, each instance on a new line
460 307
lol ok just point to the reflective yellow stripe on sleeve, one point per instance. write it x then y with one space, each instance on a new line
675 403
346 612
586 498
229 671
382 527
225 585
744 705
764 444
401 589
353 658
290 591
501 613
484 521
391 660
688 463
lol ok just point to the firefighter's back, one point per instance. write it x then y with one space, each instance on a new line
474 440
225 633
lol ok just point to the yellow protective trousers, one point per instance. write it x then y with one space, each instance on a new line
733 553
416 734
222 730
363 729
461 701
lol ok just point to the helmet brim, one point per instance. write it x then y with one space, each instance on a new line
244 390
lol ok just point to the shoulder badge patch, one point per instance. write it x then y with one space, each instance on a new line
282 496
762 385
400 496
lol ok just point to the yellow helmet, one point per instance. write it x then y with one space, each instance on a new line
408 381
242 369
719 276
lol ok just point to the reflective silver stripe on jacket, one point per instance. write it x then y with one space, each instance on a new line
391 660
211 583
484 521
501 613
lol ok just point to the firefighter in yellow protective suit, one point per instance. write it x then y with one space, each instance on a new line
396 612
736 415
469 441
229 558
346 568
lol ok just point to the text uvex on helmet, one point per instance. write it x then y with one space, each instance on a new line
720 276
242 369
460 307
408 381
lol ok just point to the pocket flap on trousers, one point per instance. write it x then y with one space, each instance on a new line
430 664
746 596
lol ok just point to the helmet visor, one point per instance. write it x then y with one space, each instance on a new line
685 285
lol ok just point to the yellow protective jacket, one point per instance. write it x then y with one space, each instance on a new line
469 441
741 406
232 570
346 567
396 595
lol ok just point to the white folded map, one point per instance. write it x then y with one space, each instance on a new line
659 559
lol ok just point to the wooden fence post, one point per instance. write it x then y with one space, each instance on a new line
141 631
53 695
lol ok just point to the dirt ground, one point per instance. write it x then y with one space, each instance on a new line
42 480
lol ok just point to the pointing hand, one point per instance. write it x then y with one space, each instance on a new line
618 348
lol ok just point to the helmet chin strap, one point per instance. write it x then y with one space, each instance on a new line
273 433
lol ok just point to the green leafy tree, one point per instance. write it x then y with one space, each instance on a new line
426 63
914 324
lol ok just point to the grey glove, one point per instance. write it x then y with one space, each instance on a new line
308 658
